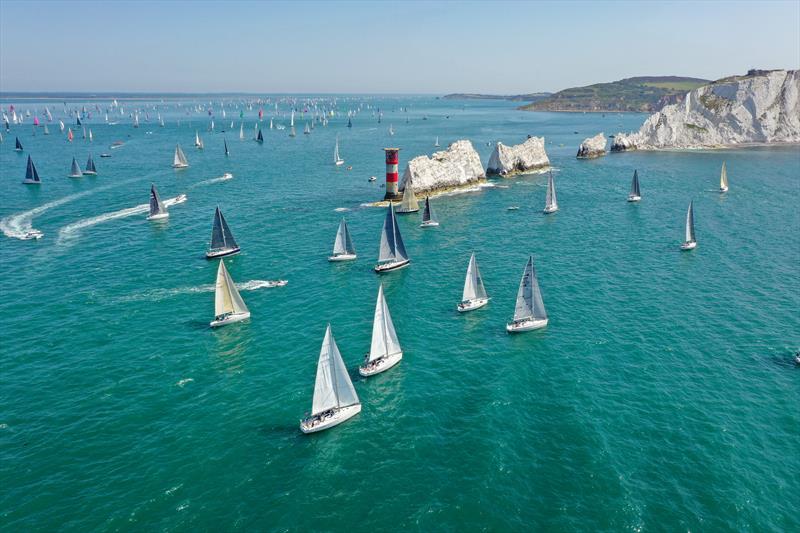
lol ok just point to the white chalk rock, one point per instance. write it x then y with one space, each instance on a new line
593 147
458 166
526 157
622 143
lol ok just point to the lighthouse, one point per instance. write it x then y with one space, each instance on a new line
392 175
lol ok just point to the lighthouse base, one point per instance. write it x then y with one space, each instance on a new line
393 196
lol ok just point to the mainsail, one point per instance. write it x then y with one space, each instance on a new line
384 337
473 284
336 158
241 131
18 145
690 223
226 297
392 247
76 169
156 205
180 158
409 202
635 184
260 137
529 298
90 168
30 173
343 243
332 388
221 236
723 178
427 213
551 202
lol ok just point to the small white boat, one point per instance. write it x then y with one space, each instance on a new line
529 313
335 399
409 203
179 161
512 208
474 295
228 304
157 209
392 255
723 179
226 176
691 242
31 176
428 218
338 161
343 249
75 171
222 241
385 351
198 142
372 178
33 234
635 195
551 204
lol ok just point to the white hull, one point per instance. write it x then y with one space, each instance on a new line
380 365
526 325
89 173
160 216
230 319
471 305
342 257
634 198
211 254
723 189
180 166
340 163
392 265
31 182
76 175
548 210
429 224
688 246
309 425
400 211
33 234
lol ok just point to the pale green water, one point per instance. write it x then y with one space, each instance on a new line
661 396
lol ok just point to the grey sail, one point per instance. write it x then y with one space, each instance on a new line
551 201
90 165
690 223
343 243
156 205
332 388
529 297
427 213
221 236
635 184
76 169
30 172
226 147
392 247
473 284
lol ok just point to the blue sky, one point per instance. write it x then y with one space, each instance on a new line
389 47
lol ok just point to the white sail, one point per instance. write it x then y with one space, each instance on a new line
332 388
551 202
723 178
336 159
409 201
226 297
473 284
180 158
241 131
343 243
437 142
529 298
384 337
392 247
690 223
291 122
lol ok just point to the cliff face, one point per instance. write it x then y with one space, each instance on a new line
526 157
760 107
592 147
458 166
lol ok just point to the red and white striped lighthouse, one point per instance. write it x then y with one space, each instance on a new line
392 174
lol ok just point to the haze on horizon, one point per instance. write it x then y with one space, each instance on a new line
360 47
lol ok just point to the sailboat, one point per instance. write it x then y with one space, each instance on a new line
46 130
228 304
198 142
335 399
529 312
70 136
91 137
392 255
428 218
270 123
241 131
635 195
61 125
75 171
222 241
179 161
474 295
436 144
158 210
259 137
349 123
227 153
343 249
292 132
136 120
690 243
90 168
551 204
409 202
336 159
17 145
723 179
391 130
385 351
306 130
31 176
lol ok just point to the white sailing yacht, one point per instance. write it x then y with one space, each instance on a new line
635 195
551 204
75 172
241 131
474 295
385 351
723 179
179 161
428 218
222 241
306 130
198 142
91 137
292 132
409 203
392 255
529 312
690 243
336 159
158 210
228 304
391 130
335 399
343 249
436 144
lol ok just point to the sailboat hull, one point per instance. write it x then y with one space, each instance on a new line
429 224
380 365
31 182
230 319
313 425
548 210
634 198
401 211
342 257
526 325
391 265
213 254
723 189
471 305
339 163
89 173
159 216
76 175
180 166
688 246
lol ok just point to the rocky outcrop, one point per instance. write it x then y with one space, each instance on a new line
592 147
529 156
761 107
458 166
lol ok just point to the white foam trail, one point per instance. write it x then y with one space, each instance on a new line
225 177
161 294
342 209
16 226
72 230
180 384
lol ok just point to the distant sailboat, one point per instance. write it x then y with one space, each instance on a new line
17 145
474 295
690 243
409 203
385 351
529 312
635 195
551 204
391 130
723 179
292 132
349 123
335 399
270 123
136 121
61 126
392 255
70 136
343 249
222 241
228 304
91 137
179 161
437 142
260 137
31 176
75 171
306 130
158 210
198 142
428 218
46 130
227 153
241 131
336 159
90 168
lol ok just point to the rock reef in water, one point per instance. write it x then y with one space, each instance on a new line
762 107
592 147
529 156
458 166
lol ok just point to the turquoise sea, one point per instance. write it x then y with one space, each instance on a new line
661 397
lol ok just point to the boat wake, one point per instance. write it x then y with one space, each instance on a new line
73 230
225 177
18 225
162 294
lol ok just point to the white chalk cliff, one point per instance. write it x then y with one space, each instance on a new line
761 107
458 166
592 147
526 157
